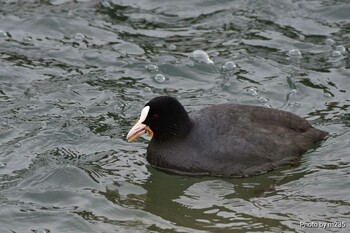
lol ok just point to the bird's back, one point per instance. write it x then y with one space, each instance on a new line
236 140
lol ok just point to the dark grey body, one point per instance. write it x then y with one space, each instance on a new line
235 141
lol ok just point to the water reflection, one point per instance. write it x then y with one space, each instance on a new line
218 204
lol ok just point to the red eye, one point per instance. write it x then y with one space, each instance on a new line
154 116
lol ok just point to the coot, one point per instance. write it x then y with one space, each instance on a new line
227 140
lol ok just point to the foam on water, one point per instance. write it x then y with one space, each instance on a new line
201 57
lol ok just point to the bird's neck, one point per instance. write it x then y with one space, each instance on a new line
178 128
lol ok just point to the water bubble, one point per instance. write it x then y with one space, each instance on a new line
120 106
152 68
172 47
81 111
27 38
336 54
105 3
253 91
148 89
229 66
294 53
3 34
18 144
328 95
159 45
330 42
79 36
159 78
262 99
2 165
31 92
201 56
341 49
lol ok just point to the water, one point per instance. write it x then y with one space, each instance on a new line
74 76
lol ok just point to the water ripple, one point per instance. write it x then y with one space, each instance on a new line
75 74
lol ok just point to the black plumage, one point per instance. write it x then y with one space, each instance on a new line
227 140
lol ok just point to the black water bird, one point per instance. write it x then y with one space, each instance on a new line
227 140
